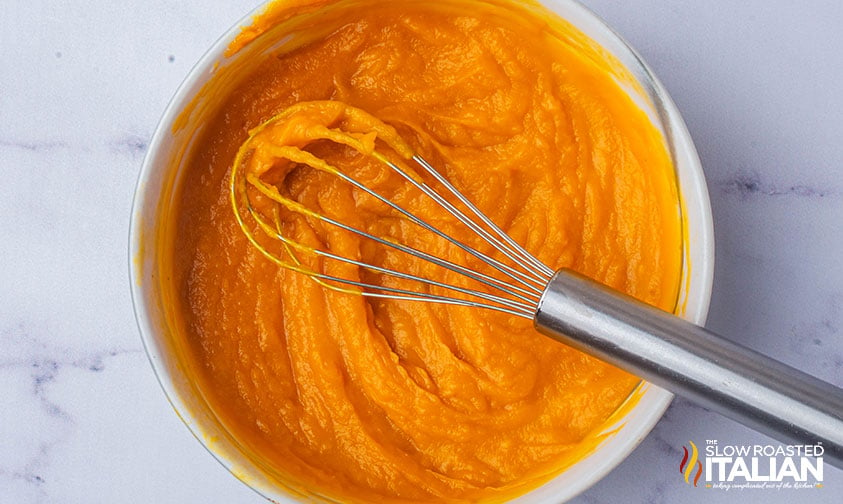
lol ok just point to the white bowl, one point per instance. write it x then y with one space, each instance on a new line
154 193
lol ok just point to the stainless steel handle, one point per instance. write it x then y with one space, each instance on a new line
690 361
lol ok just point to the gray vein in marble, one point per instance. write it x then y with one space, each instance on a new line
680 405
43 371
24 351
131 144
46 368
33 145
749 184
664 446
134 145
29 472
821 339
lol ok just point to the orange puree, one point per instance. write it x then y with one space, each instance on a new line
368 400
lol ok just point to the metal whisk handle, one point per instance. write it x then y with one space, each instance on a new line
690 361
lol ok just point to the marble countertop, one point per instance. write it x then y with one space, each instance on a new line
82 419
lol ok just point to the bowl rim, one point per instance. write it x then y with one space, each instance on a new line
655 399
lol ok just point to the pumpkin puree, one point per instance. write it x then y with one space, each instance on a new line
368 400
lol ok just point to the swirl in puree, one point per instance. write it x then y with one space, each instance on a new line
376 400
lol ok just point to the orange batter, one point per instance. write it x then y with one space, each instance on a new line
367 400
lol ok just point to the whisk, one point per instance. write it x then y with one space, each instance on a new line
666 350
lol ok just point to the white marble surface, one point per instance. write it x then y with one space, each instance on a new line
82 85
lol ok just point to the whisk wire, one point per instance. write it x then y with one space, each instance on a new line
510 307
300 156
273 194
267 228
512 244
527 277
399 294
518 294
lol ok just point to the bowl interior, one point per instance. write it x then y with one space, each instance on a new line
158 182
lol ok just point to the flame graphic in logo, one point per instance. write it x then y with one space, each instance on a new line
686 467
